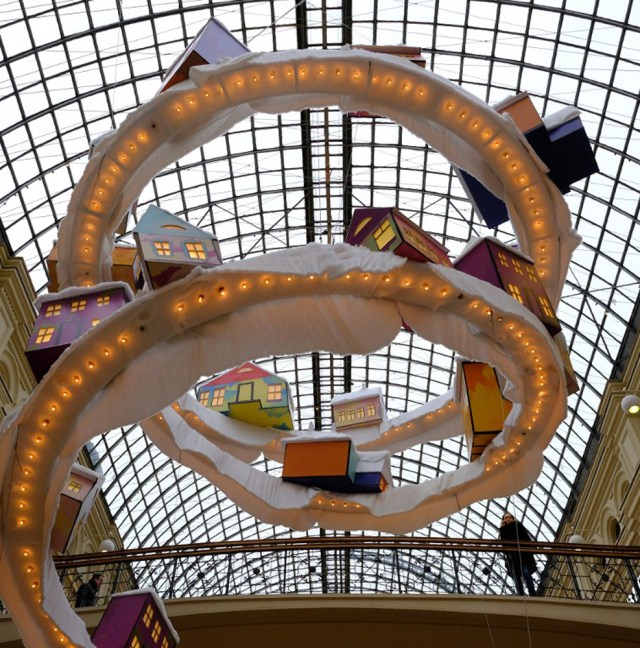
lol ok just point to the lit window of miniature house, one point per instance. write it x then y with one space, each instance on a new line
389 230
504 267
213 43
482 406
251 394
357 409
76 501
135 619
64 317
170 248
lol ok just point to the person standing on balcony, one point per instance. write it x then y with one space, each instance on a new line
521 565
87 593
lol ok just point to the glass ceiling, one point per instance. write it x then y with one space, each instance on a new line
71 71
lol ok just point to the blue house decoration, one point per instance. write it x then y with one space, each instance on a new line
169 248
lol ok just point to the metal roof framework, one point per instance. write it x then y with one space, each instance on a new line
71 71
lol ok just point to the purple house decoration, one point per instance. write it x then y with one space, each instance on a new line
63 317
559 140
76 501
170 248
387 229
357 409
213 43
505 267
135 619
251 394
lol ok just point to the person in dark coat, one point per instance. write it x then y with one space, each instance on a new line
87 593
521 565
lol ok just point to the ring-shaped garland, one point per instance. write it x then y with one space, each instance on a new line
464 129
41 440
102 382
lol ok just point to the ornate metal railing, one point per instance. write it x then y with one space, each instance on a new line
358 565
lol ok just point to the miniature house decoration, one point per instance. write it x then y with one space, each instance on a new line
64 317
357 409
387 229
170 248
76 501
125 267
559 140
251 394
483 408
135 619
213 43
331 463
505 267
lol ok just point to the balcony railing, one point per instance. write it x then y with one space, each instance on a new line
358 565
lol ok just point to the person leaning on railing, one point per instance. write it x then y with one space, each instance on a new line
88 592
520 565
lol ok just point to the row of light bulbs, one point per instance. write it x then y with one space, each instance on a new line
480 126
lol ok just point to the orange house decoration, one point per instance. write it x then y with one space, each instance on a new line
482 405
357 409
170 248
505 267
333 464
251 394
135 619
76 501
387 229
124 267
213 43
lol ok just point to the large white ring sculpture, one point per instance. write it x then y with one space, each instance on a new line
101 382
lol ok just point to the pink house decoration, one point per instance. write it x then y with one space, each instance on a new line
63 317
213 43
387 229
357 409
169 248
135 619
76 501
503 266
251 394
